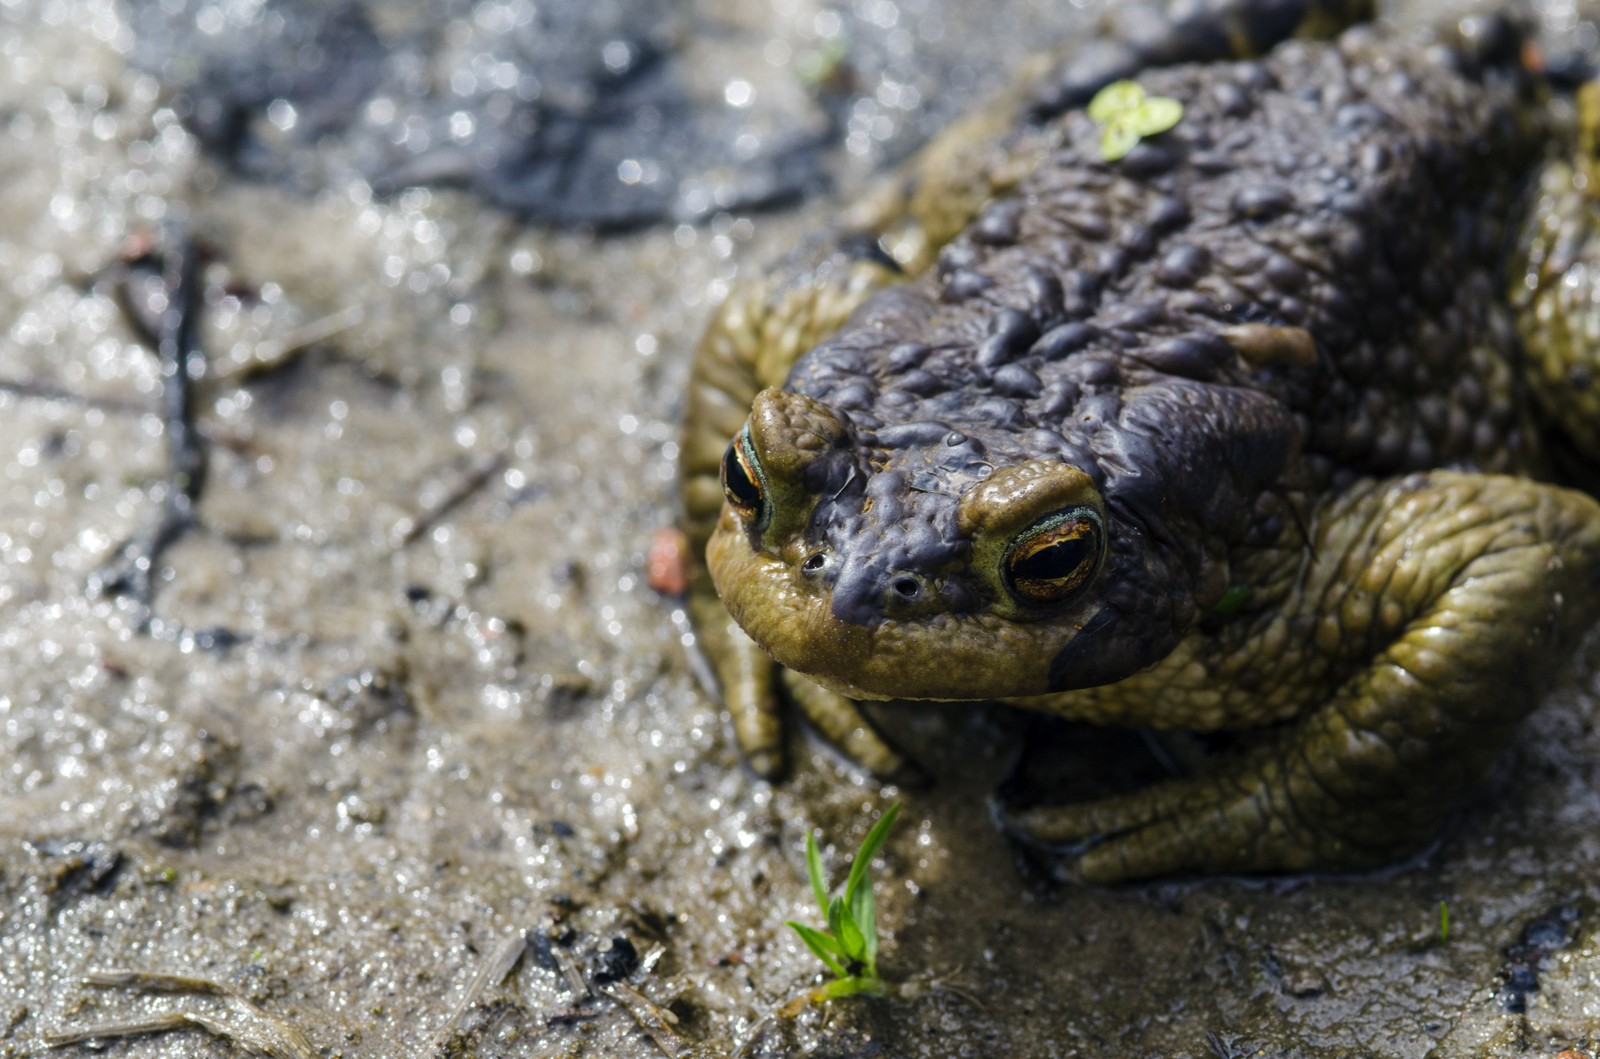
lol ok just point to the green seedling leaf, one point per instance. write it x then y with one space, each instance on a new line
1116 140
869 849
863 910
816 937
819 882
1156 114
846 930
822 946
865 914
852 986
1444 922
1118 97
1128 115
849 946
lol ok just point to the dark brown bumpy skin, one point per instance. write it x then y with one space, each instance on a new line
1235 362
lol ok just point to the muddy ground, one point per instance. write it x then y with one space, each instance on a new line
404 756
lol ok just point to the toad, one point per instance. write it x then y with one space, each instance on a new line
1251 427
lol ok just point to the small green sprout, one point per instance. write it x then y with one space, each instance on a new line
1127 116
849 947
1444 922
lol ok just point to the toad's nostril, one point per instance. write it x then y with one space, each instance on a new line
814 562
907 587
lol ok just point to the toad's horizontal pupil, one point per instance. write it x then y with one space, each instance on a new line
741 490
1053 560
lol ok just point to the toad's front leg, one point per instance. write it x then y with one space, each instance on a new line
1433 611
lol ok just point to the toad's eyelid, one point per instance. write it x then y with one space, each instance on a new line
743 481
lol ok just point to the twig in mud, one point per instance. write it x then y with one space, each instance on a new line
106 1031
269 1036
699 664
44 391
271 353
407 530
492 970
130 572
655 1020
570 971
567 1016
155 982
753 1038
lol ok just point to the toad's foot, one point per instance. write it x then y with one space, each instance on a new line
841 724
1271 812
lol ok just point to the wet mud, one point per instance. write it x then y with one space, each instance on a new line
389 750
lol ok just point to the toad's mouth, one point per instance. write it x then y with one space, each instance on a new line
935 656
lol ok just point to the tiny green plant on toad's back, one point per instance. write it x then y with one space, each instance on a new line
1127 115
849 945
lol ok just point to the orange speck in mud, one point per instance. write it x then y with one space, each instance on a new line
667 562
1533 62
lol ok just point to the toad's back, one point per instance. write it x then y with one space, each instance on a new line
1309 262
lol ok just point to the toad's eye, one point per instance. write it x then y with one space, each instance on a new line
1056 556
742 480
